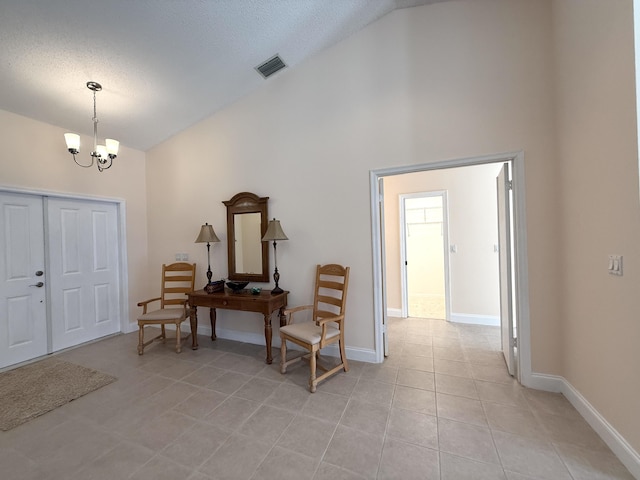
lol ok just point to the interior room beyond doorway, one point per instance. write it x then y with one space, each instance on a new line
441 242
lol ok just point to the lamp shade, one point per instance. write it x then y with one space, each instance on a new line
112 146
207 234
72 140
274 231
101 150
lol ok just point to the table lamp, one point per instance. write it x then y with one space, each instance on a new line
208 235
274 232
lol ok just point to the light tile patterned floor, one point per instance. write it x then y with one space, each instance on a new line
427 306
441 407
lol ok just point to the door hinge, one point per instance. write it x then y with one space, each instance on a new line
384 328
514 342
510 184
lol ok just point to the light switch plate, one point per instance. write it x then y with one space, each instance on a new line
615 265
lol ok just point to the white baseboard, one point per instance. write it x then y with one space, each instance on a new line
541 381
616 442
353 353
475 319
394 312
130 327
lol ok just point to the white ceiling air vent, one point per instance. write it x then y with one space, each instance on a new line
271 66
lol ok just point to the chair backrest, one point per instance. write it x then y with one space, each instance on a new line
330 298
178 279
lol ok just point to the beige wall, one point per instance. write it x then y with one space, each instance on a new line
460 79
596 127
473 228
34 156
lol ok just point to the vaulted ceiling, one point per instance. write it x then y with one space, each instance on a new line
163 64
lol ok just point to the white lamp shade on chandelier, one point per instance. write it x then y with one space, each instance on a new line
73 141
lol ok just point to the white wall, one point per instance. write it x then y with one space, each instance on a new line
34 157
460 79
599 206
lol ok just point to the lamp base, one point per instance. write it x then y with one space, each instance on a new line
276 291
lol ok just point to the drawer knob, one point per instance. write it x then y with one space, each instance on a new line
225 302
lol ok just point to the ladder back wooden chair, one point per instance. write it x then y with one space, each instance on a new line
326 325
178 279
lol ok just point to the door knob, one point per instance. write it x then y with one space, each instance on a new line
39 284
39 273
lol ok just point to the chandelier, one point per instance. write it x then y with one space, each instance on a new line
103 155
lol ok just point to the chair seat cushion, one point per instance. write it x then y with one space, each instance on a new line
309 332
164 314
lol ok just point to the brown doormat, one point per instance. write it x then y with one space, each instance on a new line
35 389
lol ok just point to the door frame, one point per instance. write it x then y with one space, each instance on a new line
404 284
521 275
122 243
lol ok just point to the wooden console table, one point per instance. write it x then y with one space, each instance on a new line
244 301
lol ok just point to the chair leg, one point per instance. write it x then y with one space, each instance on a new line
283 355
343 357
313 383
178 338
140 339
163 336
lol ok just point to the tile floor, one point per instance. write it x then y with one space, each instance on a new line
441 407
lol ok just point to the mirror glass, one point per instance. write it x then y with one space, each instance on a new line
248 242
247 254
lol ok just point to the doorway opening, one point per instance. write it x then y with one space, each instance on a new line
424 258
519 270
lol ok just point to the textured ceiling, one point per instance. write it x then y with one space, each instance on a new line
163 64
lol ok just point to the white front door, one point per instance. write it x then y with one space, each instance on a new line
84 277
23 321
506 290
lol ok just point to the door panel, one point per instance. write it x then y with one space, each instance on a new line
506 293
84 271
385 316
23 324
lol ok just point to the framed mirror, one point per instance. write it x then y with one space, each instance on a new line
247 254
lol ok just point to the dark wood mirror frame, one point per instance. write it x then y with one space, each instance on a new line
246 202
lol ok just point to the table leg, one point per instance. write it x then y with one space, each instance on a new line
212 317
193 319
283 317
267 337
